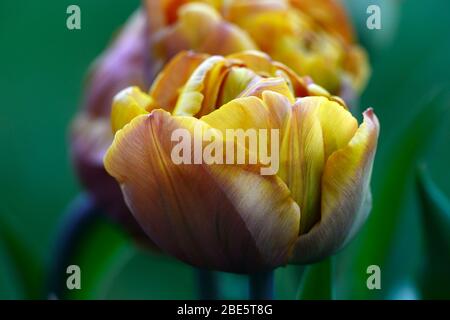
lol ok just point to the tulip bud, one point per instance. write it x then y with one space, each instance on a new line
228 215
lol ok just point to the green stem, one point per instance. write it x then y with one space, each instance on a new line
317 282
81 213
261 286
207 285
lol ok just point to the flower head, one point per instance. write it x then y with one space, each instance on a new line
227 215
315 40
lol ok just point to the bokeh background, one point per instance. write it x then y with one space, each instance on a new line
43 65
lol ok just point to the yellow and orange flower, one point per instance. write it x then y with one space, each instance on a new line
228 216
313 38
316 40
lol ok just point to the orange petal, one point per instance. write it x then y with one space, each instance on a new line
258 61
262 64
357 65
329 14
201 28
166 87
201 90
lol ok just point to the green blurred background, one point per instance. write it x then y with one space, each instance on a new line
42 69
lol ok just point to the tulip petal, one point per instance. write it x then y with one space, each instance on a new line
329 14
120 66
238 10
317 127
200 92
267 26
201 28
254 113
310 131
302 159
346 195
91 137
257 61
251 112
278 85
127 105
168 84
356 64
262 64
355 160
203 214
237 80
338 124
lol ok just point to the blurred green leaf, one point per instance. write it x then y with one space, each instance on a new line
27 268
435 277
287 280
317 283
389 190
152 275
10 286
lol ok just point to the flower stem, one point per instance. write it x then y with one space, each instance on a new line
81 213
261 286
318 281
207 285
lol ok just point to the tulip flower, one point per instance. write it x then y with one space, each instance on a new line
313 38
324 50
229 216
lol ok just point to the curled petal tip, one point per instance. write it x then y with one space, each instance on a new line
371 118
369 113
